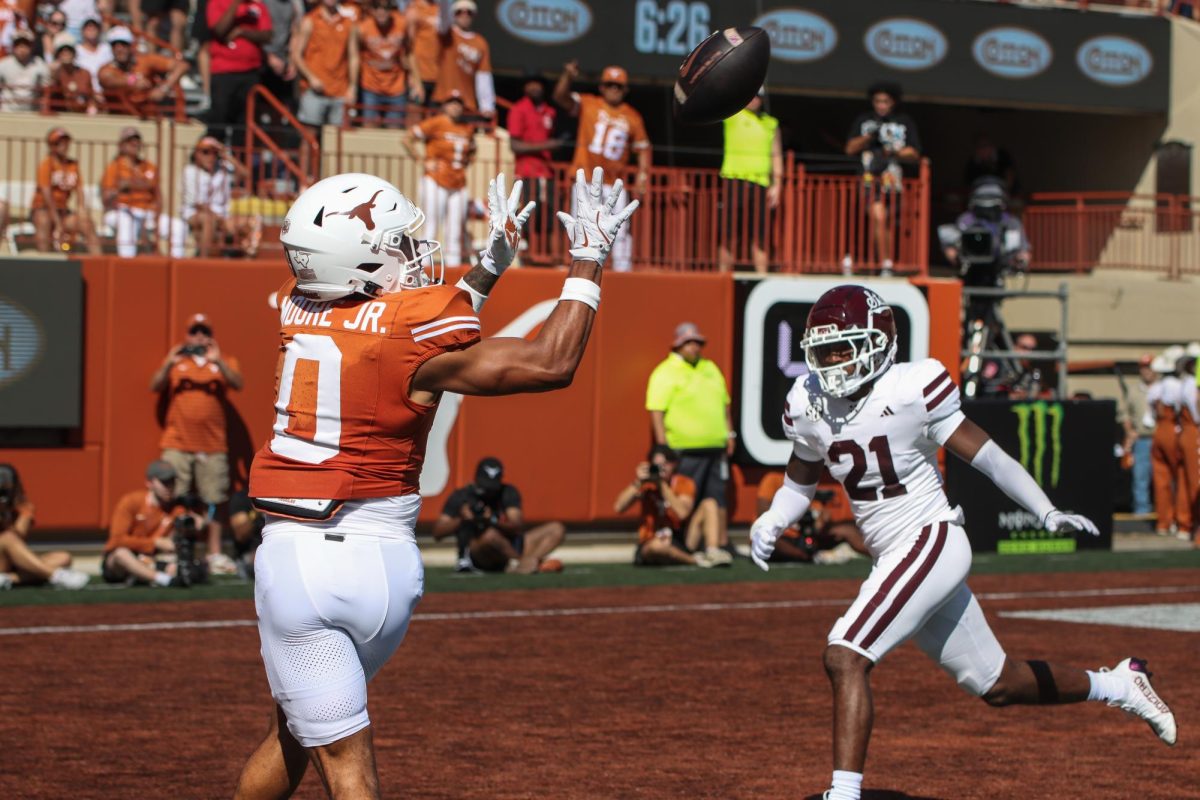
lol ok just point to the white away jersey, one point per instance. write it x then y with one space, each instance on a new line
883 448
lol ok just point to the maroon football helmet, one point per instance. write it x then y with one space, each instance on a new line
851 339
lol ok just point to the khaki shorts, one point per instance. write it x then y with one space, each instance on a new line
210 471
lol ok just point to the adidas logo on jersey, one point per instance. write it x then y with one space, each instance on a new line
887 412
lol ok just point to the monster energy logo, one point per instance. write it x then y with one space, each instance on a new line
1033 453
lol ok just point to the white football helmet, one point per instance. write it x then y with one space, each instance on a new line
353 233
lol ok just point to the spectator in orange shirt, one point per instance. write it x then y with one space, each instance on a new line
195 377
422 18
666 500
131 196
389 73
137 84
449 148
609 128
143 530
20 566
465 61
326 54
70 84
826 534
54 220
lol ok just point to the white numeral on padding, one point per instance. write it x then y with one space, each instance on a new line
324 405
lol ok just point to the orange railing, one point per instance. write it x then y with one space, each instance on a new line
301 163
1079 232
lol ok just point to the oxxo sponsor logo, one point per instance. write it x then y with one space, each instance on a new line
1012 52
546 22
905 43
798 35
1114 60
21 341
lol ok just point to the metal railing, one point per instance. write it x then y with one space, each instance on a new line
1082 231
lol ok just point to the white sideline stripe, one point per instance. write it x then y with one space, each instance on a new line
670 608
443 321
440 331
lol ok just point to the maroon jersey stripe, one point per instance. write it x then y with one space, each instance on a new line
909 589
935 402
888 583
936 382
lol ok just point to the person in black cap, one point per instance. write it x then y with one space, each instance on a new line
487 519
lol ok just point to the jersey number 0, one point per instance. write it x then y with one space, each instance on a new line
308 410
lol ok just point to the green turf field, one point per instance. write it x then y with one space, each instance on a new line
442 579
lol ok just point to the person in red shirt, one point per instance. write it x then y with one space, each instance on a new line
195 377
532 138
239 29
141 532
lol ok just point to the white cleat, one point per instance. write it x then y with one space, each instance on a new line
1142 701
71 579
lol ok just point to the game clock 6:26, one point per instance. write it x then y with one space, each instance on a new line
670 28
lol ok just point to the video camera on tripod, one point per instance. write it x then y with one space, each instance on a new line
986 242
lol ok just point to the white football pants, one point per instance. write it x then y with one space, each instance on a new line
334 600
445 215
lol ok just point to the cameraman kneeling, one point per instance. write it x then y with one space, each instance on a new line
667 499
487 520
147 525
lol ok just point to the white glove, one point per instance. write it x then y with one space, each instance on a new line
763 534
594 227
504 225
1058 522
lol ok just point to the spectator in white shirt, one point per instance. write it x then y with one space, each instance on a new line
22 75
92 52
206 191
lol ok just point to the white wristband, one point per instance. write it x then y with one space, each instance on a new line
581 290
477 298
487 262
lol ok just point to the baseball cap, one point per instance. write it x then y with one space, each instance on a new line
160 471
62 40
1145 360
209 143
57 133
454 96
489 473
614 74
23 35
119 34
199 320
464 5
687 332
129 132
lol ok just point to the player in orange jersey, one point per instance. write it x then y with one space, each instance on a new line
449 147
370 341
609 128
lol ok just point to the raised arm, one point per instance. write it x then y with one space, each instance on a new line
562 89
500 366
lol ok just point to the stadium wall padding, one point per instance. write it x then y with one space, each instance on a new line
569 452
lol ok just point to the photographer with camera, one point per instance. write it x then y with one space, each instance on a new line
19 565
486 518
666 499
149 526
884 139
195 377
825 534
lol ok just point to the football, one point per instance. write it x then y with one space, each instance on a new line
721 75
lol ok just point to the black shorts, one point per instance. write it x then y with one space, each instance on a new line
154 8
744 212
678 538
709 470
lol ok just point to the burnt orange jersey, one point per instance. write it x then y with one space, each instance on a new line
327 53
383 56
61 177
136 182
606 136
116 79
422 19
345 426
196 406
464 53
655 514
447 150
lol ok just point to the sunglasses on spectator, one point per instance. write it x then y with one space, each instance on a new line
466 11
57 23
612 85
200 329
